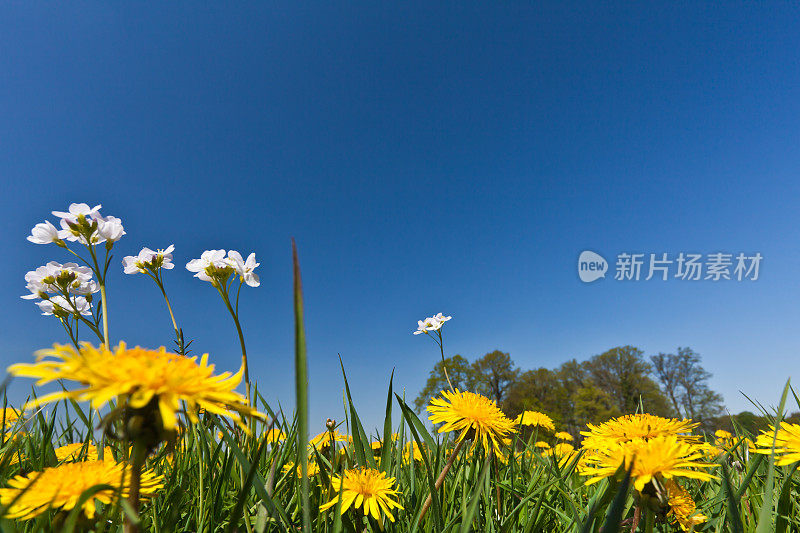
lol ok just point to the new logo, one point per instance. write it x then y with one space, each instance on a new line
591 266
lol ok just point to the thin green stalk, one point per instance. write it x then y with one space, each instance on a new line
227 301
171 314
649 520
136 478
444 366
439 480
301 389
104 304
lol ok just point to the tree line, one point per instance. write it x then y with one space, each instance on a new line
616 382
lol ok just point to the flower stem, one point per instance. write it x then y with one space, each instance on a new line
444 366
649 521
440 479
227 301
104 303
136 478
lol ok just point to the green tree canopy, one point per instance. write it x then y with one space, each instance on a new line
461 373
624 374
494 374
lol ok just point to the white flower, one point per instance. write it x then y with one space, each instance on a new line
110 228
132 265
58 305
88 287
82 224
38 290
424 326
432 323
244 268
78 210
55 277
45 233
441 319
147 258
211 263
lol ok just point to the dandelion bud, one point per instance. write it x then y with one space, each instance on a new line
330 424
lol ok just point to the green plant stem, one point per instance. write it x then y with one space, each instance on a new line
440 479
171 314
649 520
444 366
136 478
69 332
227 301
104 303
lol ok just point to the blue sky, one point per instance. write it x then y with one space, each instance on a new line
426 157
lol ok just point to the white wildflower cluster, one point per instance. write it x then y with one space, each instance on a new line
431 323
80 223
63 290
215 267
149 261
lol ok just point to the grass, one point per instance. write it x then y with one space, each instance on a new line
218 478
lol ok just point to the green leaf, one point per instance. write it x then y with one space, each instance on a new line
301 388
765 515
734 516
475 498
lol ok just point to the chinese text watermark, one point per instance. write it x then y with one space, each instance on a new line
685 266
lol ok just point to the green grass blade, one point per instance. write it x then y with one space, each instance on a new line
613 521
475 498
388 444
785 501
361 445
246 486
765 515
301 388
734 516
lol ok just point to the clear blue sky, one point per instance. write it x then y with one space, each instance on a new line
427 158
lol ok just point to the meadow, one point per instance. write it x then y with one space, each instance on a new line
157 439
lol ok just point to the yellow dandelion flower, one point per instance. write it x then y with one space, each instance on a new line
475 416
564 452
324 439
60 487
10 417
722 434
313 469
140 375
367 488
542 444
75 452
412 450
82 452
274 435
709 450
665 457
563 435
629 427
535 418
787 443
682 509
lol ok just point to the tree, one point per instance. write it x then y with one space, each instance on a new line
685 381
461 374
494 374
535 390
594 405
624 375
666 370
